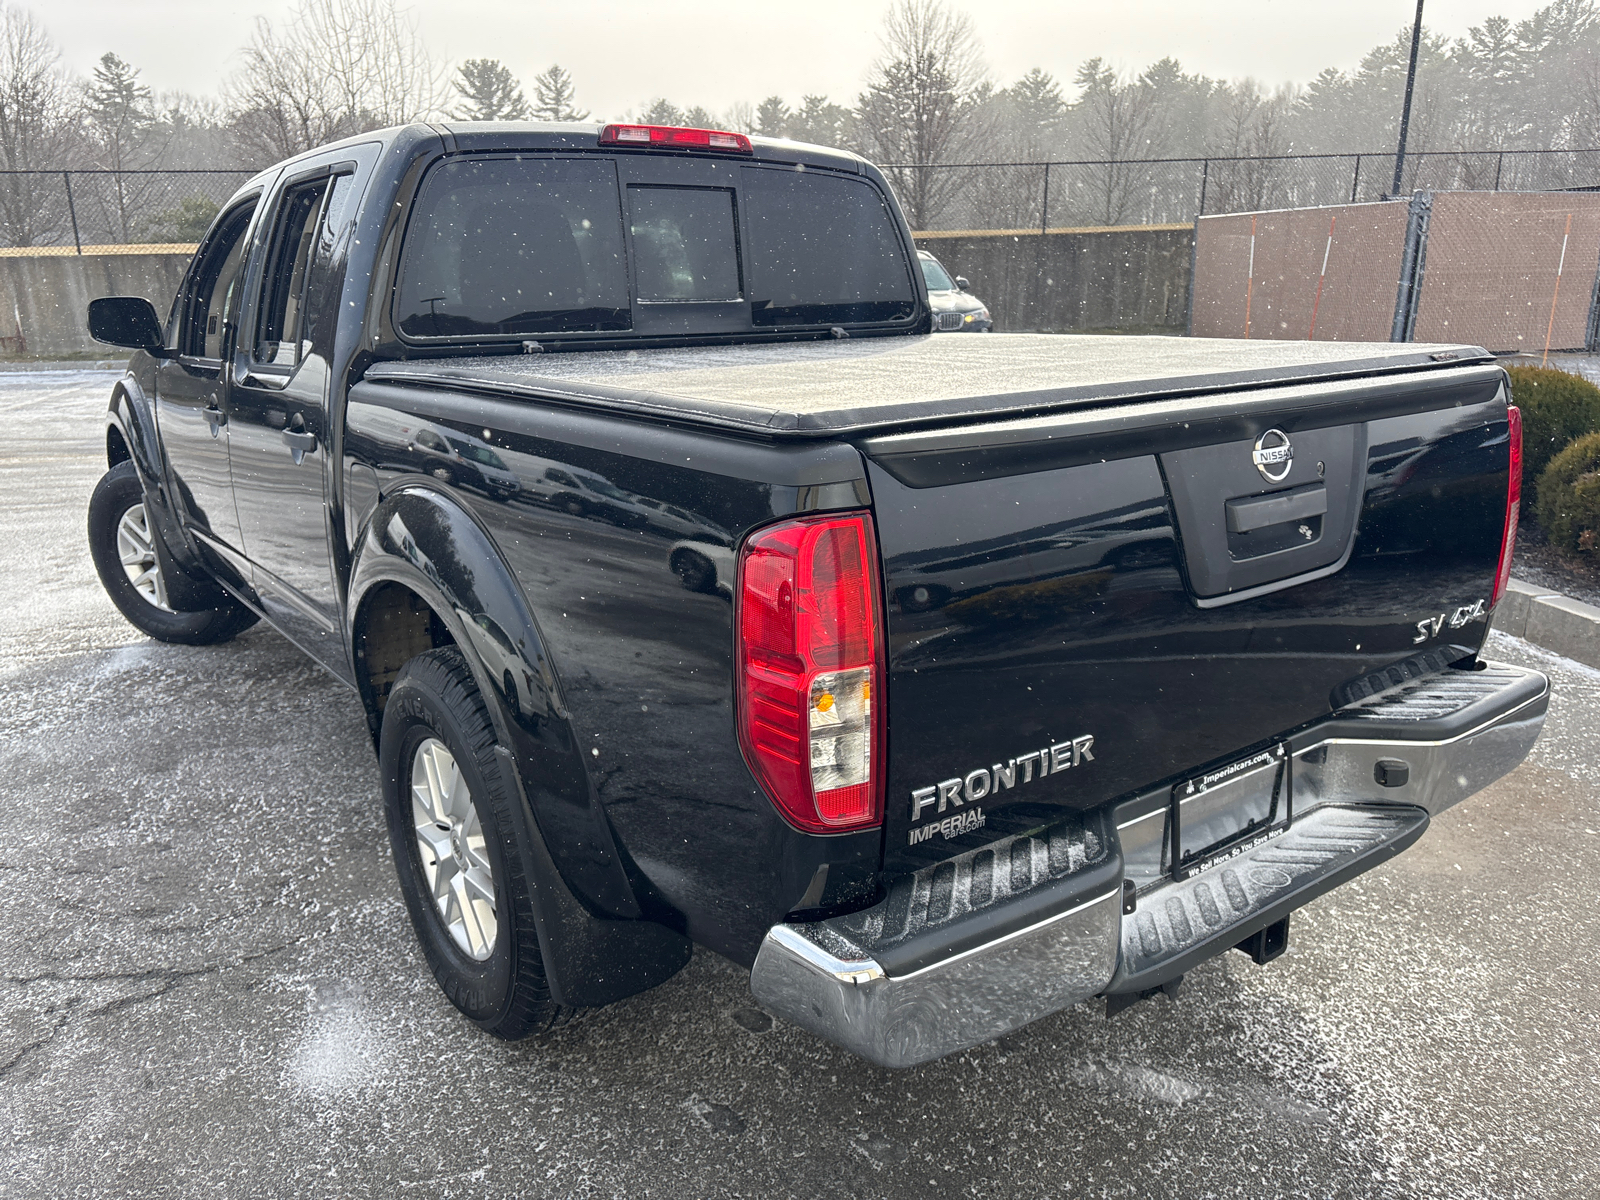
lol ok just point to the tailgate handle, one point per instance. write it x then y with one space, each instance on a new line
1257 512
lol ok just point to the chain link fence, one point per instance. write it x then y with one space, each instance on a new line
1161 191
82 211
73 209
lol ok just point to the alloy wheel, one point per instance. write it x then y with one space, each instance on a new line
136 548
452 846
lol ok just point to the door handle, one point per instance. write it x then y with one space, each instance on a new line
300 444
214 416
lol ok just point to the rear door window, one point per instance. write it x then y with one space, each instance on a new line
824 250
684 244
509 246
326 284
283 284
514 246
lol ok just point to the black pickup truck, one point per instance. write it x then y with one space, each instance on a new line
694 594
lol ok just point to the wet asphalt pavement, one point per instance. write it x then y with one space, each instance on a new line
208 986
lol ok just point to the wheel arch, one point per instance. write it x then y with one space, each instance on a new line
133 435
131 431
427 573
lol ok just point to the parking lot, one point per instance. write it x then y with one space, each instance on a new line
208 984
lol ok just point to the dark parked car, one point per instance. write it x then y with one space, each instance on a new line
941 684
955 310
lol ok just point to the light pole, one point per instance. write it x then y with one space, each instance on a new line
1405 112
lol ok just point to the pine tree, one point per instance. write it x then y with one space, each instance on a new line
772 117
119 106
123 130
488 92
1036 97
553 95
662 112
821 122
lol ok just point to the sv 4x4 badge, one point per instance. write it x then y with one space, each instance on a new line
986 781
1432 627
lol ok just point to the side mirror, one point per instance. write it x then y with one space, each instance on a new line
127 321
961 282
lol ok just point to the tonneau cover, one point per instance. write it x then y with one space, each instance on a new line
812 389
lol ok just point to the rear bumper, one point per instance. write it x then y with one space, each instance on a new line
899 1021
1457 733
853 981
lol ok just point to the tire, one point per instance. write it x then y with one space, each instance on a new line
695 571
495 976
133 565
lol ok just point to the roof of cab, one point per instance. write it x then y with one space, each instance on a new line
550 135
482 136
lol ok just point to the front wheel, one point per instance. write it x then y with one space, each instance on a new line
455 826
132 565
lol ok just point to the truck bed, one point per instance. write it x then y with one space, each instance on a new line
857 386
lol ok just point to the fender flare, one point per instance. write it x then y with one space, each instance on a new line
132 414
596 946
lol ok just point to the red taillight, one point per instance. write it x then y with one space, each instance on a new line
673 136
810 670
1508 538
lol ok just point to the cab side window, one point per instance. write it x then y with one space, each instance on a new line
326 284
214 286
283 284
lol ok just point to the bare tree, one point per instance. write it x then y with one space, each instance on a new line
488 91
1584 126
740 118
920 106
554 97
1253 131
1117 124
337 67
38 110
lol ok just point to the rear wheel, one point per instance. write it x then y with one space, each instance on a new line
455 826
133 565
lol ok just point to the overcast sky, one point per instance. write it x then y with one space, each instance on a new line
624 53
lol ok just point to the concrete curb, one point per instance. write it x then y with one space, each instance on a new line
1556 622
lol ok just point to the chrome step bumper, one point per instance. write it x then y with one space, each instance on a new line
977 946
1457 732
958 953
1184 922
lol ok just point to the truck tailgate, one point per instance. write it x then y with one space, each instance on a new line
1087 604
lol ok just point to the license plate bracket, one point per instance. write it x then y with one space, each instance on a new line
1241 802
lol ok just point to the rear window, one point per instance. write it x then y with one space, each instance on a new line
501 247
824 251
509 246
683 244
